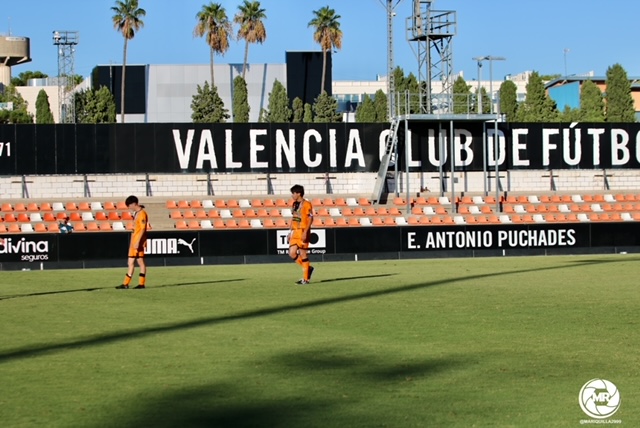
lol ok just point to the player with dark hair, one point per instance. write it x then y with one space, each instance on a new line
300 232
137 244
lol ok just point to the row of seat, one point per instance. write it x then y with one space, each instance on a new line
262 203
286 212
61 206
78 226
566 208
34 217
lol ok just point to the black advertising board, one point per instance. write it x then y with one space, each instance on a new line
559 238
311 148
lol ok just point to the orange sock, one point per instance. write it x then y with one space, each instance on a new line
127 279
305 269
299 261
142 279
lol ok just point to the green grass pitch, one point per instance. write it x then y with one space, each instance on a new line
411 343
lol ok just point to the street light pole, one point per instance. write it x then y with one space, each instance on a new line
489 58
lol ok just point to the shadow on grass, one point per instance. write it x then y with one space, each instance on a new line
257 313
343 388
44 293
347 278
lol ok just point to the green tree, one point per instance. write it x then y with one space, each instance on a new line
19 113
95 106
325 109
381 106
366 111
570 114
240 101
508 100
308 113
249 17
462 99
327 34
537 106
591 103
298 110
620 106
399 89
127 19
43 109
486 101
262 117
207 106
278 110
23 78
214 24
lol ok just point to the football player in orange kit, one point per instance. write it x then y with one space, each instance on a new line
300 232
137 244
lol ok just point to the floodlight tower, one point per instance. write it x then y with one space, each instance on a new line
390 6
65 42
432 32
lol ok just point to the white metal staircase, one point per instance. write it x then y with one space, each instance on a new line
387 157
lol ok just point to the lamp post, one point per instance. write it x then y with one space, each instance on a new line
480 59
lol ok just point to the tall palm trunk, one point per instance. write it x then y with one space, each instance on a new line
124 68
324 68
211 65
246 58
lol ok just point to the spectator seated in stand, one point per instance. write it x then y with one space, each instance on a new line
65 227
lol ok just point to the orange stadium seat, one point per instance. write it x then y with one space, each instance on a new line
121 206
92 227
183 205
233 203
231 224
363 202
201 214
53 228
49 217
220 203
6 207
256 203
45 206
267 222
175 214
84 206
101 216
110 206
20 207
14 228
40 228
281 222
171 205
181 224
193 224
32 207
189 215
268 203
104 226
10 218
281 203
195 204
79 226
126 215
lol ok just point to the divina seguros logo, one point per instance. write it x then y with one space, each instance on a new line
599 398
28 250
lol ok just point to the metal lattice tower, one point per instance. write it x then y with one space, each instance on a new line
65 42
432 32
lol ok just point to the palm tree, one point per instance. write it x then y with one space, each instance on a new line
327 34
127 19
213 22
252 29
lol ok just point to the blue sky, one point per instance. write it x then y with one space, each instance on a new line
531 35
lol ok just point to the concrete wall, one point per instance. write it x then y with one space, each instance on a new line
64 187
172 87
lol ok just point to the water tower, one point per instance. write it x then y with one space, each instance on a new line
13 51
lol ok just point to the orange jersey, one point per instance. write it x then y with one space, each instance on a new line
139 236
302 215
